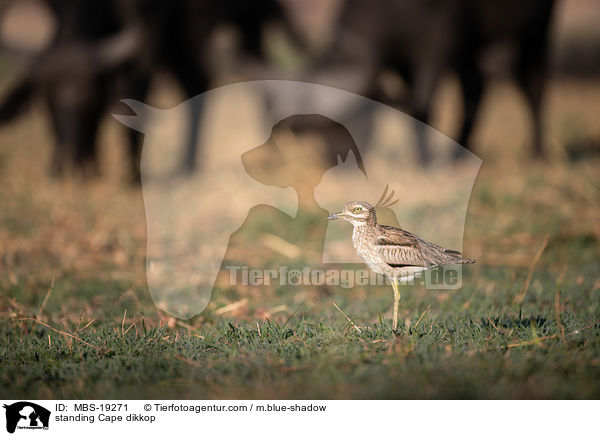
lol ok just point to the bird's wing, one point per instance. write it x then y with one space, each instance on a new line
397 247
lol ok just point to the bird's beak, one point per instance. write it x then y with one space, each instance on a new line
336 216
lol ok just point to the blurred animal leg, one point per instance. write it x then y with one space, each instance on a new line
135 139
192 136
85 142
426 79
139 91
17 99
61 151
194 82
532 67
471 80
531 81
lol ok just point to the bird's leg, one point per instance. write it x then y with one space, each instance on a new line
396 302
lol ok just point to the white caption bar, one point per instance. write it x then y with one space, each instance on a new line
89 418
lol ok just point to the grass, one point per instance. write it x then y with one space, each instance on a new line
495 338
471 344
77 321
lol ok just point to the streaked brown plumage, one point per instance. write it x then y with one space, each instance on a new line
393 252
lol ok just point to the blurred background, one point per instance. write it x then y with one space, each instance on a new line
517 82
453 65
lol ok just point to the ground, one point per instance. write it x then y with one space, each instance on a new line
77 321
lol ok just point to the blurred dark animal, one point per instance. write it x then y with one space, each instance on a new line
105 51
422 40
73 75
523 25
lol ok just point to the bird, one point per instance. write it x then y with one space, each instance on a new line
395 253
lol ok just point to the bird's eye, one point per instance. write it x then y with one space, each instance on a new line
357 209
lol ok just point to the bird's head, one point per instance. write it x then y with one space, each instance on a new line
357 212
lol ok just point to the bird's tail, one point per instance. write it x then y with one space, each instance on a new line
458 256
